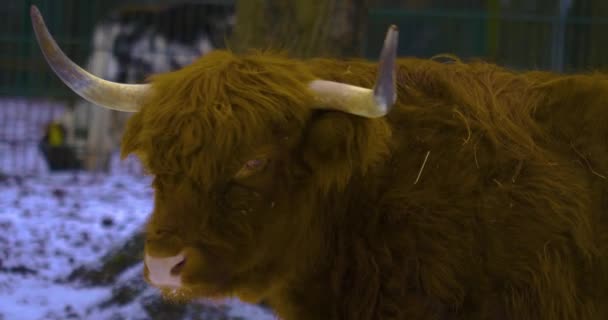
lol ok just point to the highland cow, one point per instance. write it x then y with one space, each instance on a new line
446 191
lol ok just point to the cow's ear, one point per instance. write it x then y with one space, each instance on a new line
338 146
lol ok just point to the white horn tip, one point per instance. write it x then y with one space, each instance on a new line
35 14
385 90
393 28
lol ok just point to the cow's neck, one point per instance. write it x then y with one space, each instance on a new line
315 291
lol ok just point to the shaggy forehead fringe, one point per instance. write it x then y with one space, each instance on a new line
201 116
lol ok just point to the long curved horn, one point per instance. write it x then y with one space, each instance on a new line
370 103
117 96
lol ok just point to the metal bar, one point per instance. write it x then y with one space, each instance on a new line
559 35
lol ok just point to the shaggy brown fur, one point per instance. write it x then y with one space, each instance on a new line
482 195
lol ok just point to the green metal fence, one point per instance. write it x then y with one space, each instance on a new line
43 125
516 40
23 71
520 41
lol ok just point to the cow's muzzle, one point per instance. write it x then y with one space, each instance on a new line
165 272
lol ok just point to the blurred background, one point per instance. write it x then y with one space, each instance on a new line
127 40
71 211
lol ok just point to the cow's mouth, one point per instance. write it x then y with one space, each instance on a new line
191 291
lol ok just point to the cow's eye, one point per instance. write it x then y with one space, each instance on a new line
251 167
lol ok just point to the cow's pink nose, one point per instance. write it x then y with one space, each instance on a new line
166 271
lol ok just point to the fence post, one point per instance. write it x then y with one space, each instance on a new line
492 25
559 35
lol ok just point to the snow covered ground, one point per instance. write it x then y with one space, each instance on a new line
51 224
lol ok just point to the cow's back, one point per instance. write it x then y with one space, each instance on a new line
501 177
